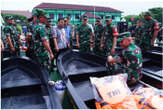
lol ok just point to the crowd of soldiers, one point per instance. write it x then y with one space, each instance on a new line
45 41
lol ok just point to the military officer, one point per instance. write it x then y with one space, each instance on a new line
42 49
49 33
138 32
11 36
99 35
84 36
151 28
30 32
110 36
129 61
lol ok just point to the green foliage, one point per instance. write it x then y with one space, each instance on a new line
21 18
156 14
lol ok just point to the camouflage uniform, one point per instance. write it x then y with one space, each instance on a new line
109 33
149 28
10 30
40 34
138 35
99 31
131 63
84 32
30 32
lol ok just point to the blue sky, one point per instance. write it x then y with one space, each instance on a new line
127 6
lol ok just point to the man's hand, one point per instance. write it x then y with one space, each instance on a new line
152 43
69 46
78 45
51 56
57 49
110 59
101 47
12 49
113 51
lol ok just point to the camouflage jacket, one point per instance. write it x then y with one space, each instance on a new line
109 33
149 28
132 61
10 30
138 34
99 32
49 32
84 32
40 34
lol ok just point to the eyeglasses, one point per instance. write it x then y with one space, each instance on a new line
97 21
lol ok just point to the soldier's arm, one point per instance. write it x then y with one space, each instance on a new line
45 42
56 44
110 59
2 45
91 36
77 39
115 35
47 46
10 43
156 29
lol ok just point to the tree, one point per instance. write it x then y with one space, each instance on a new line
157 13
21 18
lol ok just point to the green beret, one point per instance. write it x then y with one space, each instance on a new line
147 14
123 35
8 17
41 12
108 17
34 12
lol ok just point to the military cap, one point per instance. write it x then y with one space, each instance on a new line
41 12
108 17
123 35
85 17
8 17
98 18
34 12
147 14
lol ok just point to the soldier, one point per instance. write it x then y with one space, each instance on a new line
129 61
84 37
99 35
110 36
42 49
49 33
11 37
30 32
151 28
138 32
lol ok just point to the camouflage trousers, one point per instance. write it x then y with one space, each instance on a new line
45 62
97 49
85 47
145 46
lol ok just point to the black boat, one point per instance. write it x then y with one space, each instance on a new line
76 67
24 85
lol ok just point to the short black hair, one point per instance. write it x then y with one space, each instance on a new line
59 19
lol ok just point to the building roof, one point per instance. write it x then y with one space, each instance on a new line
90 15
25 13
76 7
